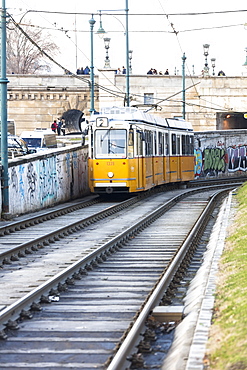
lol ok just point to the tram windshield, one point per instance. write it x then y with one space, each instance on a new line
110 143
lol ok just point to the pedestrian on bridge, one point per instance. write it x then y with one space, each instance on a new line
54 126
59 126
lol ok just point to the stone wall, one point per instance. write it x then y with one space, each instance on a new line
36 100
205 97
39 181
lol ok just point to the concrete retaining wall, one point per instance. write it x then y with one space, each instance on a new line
39 181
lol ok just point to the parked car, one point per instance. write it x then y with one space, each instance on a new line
17 147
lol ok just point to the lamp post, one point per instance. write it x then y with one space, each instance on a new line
130 59
107 46
127 55
205 52
4 120
213 65
183 79
102 31
92 23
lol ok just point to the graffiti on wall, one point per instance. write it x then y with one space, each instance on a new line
210 162
21 182
48 181
60 172
198 161
214 161
36 184
14 180
237 158
31 182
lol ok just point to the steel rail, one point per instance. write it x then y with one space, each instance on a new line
30 221
65 277
37 243
126 349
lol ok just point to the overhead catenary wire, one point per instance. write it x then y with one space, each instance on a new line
57 63
190 75
139 14
120 93
179 44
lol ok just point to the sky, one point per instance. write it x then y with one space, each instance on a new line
157 41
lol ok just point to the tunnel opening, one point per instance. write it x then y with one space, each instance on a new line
74 121
231 121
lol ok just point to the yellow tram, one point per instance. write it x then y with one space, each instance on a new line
132 151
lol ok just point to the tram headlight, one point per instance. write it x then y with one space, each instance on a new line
110 174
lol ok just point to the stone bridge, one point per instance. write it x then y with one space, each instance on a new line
213 102
35 101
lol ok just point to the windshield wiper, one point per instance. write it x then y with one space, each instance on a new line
107 132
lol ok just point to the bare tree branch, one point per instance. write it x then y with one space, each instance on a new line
26 49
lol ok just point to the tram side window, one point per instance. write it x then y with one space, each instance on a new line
131 144
187 144
139 143
174 144
178 144
191 145
160 143
184 144
149 143
155 143
166 144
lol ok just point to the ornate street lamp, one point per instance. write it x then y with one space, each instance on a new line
205 52
213 65
107 46
101 32
126 28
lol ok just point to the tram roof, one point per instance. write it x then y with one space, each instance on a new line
135 115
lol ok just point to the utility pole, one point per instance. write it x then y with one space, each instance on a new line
4 116
92 110
127 54
183 78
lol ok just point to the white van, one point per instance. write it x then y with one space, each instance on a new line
39 139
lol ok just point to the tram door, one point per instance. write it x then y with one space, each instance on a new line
140 161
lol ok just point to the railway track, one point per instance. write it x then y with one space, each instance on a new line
97 299
43 247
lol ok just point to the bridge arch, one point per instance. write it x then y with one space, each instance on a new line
73 121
